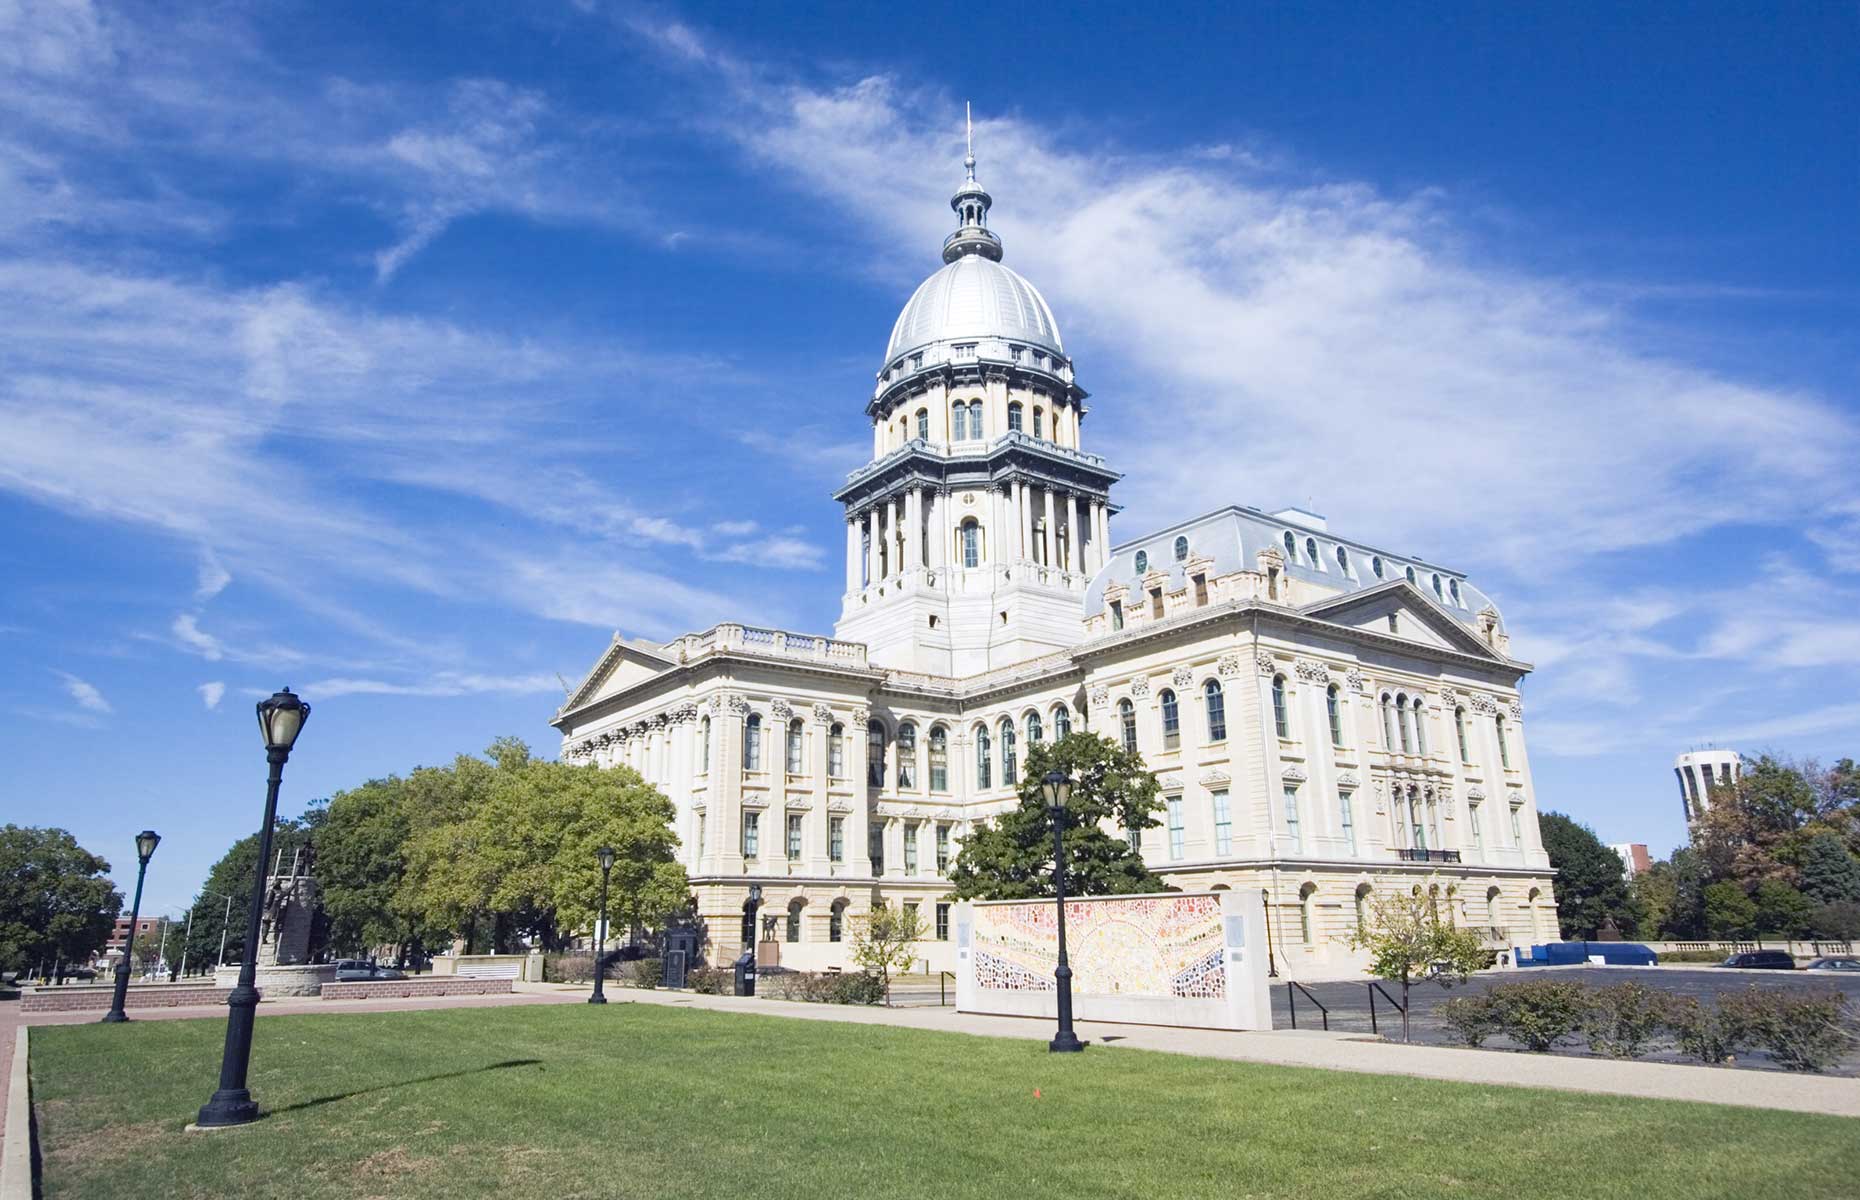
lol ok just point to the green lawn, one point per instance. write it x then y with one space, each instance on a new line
641 1100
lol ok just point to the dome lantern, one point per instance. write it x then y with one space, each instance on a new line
970 204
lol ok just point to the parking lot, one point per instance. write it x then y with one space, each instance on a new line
1349 1006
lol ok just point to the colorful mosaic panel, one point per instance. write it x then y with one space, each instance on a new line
1152 946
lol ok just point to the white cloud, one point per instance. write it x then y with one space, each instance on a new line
210 693
734 528
785 553
442 684
211 578
86 694
187 631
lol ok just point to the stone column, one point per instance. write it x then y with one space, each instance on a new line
853 553
814 852
999 539
937 519
1029 535
1074 549
894 565
1104 532
1046 540
726 790
874 539
1018 547
913 529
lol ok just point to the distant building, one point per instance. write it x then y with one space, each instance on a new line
120 933
1634 854
1699 771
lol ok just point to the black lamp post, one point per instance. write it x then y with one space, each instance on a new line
606 856
1057 790
146 841
280 719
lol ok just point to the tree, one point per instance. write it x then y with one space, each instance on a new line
1406 941
1591 880
884 941
1728 911
57 904
1655 894
1830 874
232 876
1011 857
1781 909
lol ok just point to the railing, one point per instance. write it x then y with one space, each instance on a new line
776 642
1291 1002
1375 987
1439 856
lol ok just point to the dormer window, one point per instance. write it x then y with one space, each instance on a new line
1343 560
1291 547
1181 549
1438 593
1311 554
1453 587
917 360
1375 566
1143 562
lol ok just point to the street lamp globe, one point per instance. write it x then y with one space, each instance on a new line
1057 788
605 855
280 719
146 841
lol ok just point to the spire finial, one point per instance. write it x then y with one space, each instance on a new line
968 119
971 203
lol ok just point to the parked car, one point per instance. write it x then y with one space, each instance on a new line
1835 962
360 970
1761 960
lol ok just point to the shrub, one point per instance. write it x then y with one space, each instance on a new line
852 987
712 981
568 968
1801 1030
1623 1018
1692 956
1539 1013
1472 1018
1704 1033
644 972
858 987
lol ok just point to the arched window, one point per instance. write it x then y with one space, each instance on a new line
1334 709
1038 424
939 759
1171 720
1388 723
1062 722
975 419
836 921
1343 560
907 755
1375 565
1311 555
1363 892
1410 574
1291 548
875 754
1217 710
1306 901
1420 728
1014 417
959 422
1459 728
704 744
984 759
971 544
1142 562
1010 768
795 764
1281 718
1491 907
794 920
1035 733
1504 747
1127 724
1403 721
836 751
1438 594
1453 589
1181 549
752 743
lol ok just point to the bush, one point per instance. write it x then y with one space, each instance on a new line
712 981
643 972
1801 1030
1539 1013
852 987
1693 956
1623 1018
1703 1033
858 987
1472 1018
568 968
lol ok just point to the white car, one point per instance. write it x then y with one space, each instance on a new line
1835 962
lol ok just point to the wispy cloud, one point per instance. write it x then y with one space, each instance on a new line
210 693
86 694
211 577
441 684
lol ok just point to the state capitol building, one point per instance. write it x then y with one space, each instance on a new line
1326 719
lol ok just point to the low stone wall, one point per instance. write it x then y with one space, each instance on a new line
96 997
426 985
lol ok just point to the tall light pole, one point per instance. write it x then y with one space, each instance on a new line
280 718
1057 789
146 841
605 855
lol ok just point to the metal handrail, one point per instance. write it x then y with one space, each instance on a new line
1291 1002
1375 987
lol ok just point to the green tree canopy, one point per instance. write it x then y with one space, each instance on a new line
1729 913
1830 872
57 904
1011 857
1591 880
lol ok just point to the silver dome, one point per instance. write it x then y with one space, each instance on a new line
970 299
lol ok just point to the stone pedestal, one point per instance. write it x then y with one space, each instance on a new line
275 982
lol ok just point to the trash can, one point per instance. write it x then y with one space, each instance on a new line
746 974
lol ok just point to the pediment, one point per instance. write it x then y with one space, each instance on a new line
1418 618
623 666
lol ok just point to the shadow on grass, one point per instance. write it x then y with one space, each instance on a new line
322 1100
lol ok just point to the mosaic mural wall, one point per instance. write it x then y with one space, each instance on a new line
1147 946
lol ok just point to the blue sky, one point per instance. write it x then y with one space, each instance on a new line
401 357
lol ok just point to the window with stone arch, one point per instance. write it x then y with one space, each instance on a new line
875 754
793 931
1062 722
1420 727
836 921
1127 724
752 743
1291 548
1459 729
1014 417
1039 424
1181 549
923 424
939 759
1010 765
1216 704
1363 893
984 759
1311 554
1388 723
1375 565
1036 733
971 534
1504 745
1453 588
1281 714
907 755
1438 593
959 422
1141 562
1491 909
1171 719
1333 708
836 751
796 763
1307 901
975 419
704 744
1403 723
1343 561
1409 573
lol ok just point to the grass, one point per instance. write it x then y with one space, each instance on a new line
641 1100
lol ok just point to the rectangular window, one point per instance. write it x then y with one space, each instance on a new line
875 849
923 425
910 848
910 907
836 839
1517 828
1472 826
1156 603
1223 823
794 835
1174 804
1217 713
1171 721
942 922
1291 819
795 736
836 753
1346 812
752 833
1135 838
1117 614
942 849
1014 417
1036 423
701 824
1201 590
